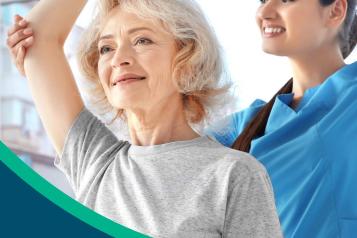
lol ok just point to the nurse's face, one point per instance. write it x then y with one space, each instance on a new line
292 27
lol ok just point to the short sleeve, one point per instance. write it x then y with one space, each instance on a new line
88 147
251 210
226 130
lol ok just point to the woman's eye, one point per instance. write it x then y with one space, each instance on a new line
143 41
284 1
104 49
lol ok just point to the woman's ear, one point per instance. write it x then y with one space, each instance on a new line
337 13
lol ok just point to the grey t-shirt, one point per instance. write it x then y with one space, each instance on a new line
195 188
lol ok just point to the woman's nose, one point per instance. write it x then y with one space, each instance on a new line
122 57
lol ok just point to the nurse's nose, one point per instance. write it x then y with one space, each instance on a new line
268 10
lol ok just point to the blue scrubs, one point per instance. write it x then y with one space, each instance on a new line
311 156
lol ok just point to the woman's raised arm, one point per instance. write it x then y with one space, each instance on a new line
52 84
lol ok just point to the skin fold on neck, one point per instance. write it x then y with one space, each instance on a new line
159 124
310 70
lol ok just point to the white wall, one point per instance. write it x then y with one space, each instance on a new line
236 28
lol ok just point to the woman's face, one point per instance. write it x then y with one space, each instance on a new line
135 64
292 27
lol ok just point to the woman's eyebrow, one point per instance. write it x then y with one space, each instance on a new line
105 37
133 30
130 31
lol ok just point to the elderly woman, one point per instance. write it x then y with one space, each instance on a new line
158 65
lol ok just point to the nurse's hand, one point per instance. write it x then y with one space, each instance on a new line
19 39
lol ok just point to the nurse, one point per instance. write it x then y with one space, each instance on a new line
306 135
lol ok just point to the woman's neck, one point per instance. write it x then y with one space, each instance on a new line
313 69
161 124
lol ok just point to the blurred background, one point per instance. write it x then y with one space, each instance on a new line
234 23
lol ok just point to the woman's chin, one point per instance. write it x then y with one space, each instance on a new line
124 102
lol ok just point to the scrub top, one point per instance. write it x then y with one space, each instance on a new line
311 156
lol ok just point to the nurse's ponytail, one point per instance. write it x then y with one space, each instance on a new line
256 127
352 39
348 33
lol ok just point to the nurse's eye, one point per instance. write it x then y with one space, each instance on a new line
104 49
263 1
143 41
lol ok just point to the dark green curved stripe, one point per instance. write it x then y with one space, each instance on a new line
61 199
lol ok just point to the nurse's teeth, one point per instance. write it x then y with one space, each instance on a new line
270 30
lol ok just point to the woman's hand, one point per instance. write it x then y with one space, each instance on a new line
20 38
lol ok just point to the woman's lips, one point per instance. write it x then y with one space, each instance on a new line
127 78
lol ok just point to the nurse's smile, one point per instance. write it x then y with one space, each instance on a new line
272 31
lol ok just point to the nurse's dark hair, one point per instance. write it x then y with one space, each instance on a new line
347 39
348 32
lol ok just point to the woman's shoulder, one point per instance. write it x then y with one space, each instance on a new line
242 117
236 168
89 135
340 84
348 72
236 161
338 94
227 129
248 113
